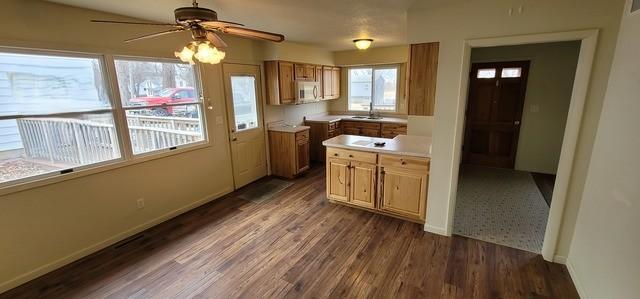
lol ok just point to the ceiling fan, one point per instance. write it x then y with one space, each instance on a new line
204 26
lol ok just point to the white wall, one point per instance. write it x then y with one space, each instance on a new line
550 82
604 257
454 21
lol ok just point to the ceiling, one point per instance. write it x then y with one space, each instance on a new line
330 24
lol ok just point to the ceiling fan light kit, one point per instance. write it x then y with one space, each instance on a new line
204 26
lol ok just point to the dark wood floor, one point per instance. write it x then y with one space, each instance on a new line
299 245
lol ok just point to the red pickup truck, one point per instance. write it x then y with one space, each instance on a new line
167 96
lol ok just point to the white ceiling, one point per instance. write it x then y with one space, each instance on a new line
330 24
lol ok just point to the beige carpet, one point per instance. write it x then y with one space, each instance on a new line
500 206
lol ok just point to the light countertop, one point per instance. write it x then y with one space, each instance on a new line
288 128
406 145
334 118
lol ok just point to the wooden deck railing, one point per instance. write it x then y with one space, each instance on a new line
81 142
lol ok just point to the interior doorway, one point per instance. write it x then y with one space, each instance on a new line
517 107
246 126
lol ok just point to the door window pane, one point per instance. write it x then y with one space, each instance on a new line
149 83
43 84
514 72
486 73
360 88
245 109
162 104
385 89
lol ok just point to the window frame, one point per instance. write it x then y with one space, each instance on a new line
107 64
397 67
122 109
106 81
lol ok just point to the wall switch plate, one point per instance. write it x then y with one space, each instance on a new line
140 203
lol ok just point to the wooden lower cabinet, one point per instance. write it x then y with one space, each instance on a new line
363 184
289 153
402 192
389 184
338 177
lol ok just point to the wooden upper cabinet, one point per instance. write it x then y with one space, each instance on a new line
423 71
299 71
335 82
281 76
287 82
319 79
331 84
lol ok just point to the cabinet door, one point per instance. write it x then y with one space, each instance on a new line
309 72
287 83
363 182
299 71
370 132
350 131
327 85
302 155
335 82
320 79
338 179
403 192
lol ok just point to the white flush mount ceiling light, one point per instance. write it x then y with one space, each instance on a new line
362 43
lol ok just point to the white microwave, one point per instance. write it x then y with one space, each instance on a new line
307 92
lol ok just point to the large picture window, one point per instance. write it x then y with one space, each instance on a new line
55 115
373 85
162 104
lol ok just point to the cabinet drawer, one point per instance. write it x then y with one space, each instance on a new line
349 124
414 163
352 155
351 131
304 135
370 126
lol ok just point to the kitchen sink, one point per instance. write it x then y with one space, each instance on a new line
366 117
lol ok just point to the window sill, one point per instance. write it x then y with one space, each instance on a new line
100 167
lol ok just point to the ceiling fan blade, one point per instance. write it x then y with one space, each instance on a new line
154 35
219 24
252 33
132 23
213 38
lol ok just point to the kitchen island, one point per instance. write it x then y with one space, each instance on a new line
381 175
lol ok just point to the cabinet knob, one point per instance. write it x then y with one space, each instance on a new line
335 154
403 162
350 156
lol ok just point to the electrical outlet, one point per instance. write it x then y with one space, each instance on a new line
140 203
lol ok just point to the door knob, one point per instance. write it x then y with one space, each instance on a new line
517 122
234 139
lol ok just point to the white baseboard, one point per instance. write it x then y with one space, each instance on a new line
559 259
575 279
10 284
436 230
